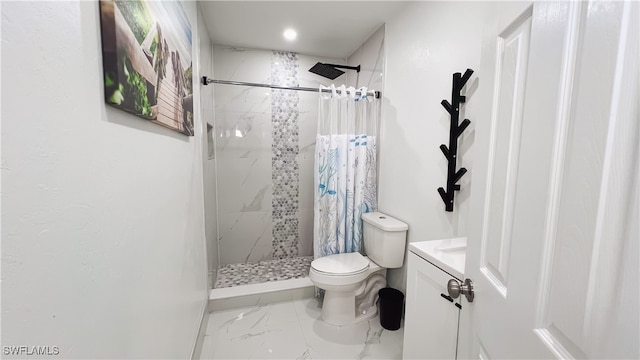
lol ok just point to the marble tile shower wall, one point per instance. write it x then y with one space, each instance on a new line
250 182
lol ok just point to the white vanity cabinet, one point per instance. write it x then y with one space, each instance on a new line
431 316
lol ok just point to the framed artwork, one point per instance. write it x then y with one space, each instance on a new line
146 56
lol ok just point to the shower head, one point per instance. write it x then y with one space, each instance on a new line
325 70
329 70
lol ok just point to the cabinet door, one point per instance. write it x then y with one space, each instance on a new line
431 321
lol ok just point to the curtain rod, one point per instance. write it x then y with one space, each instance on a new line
207 81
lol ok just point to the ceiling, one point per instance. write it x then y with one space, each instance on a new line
325 28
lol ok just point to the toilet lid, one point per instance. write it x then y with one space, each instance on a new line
341 264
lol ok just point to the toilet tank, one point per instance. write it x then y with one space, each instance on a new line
385 239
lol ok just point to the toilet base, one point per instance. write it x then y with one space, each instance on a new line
350 299
340 309
345 305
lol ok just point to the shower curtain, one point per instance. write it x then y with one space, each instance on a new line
345 169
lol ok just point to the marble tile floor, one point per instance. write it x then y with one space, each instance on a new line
263 271
293 330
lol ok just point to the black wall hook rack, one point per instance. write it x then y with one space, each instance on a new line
455 131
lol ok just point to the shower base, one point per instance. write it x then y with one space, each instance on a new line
264 271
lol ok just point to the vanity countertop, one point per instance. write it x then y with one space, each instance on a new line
447 254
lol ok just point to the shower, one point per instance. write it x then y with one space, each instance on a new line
264 136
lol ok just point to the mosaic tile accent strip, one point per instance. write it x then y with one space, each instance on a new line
284 155
263 271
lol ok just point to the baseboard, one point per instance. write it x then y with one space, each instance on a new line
197 348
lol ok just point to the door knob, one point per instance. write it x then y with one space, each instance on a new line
466 289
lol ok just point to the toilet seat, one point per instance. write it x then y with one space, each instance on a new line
346 264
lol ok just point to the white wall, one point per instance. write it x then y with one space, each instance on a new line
102 212
208 160
371 58
425 43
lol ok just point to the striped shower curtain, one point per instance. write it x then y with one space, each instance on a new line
345 165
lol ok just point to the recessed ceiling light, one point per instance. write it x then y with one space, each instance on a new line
290 34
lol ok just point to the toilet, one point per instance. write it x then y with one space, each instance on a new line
351 281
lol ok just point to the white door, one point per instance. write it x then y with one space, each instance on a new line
553 225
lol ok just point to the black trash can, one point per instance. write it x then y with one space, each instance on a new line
391 304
